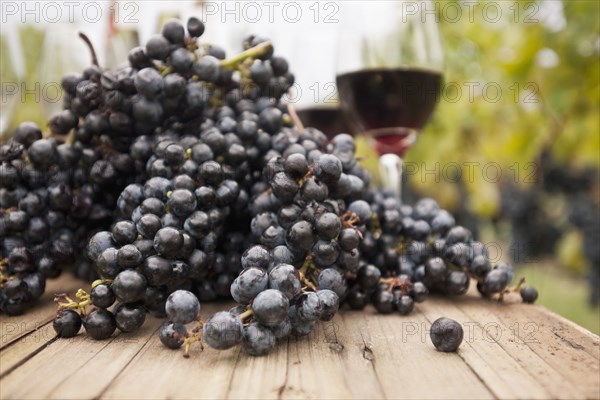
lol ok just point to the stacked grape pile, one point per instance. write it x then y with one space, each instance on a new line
60 188
183 177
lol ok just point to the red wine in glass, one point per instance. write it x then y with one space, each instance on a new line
329 120
390 104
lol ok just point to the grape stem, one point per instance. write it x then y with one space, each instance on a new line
395 282
196 336
308 284
3 278
246 314
252 52
376 224
516 289
191 45
311 171
65 302
70 137
519 284
90 46
306 272
100 282
308 264
295 118
349 219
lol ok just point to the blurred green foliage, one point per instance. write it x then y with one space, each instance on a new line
29 108
549 76
545 59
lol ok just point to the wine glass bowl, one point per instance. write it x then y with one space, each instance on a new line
390 104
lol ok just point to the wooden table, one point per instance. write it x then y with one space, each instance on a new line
511 350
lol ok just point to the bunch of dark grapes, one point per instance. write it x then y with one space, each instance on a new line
536 232
103 138
49 203
306 239
196 138
579 186
584 214
409 252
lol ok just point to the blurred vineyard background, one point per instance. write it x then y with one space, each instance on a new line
522 97
544 133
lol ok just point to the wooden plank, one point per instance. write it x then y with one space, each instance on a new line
536 367
357 355
248 377
69 365
538 329
358 370
481 349
567 331
406 363
12 328
322 365
206 374
22 350
55 364
110 360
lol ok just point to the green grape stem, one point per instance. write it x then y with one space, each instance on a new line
252 52
246 314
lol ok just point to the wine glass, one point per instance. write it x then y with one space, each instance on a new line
389 75
315 96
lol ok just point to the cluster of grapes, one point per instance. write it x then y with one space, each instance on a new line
411 251
308 240
537 213
308 237
534 232
51 198
172 239
168 168
105 138
579 186
198 136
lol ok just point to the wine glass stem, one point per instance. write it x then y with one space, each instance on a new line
390 170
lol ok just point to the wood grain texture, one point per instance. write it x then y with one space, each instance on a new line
510 350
